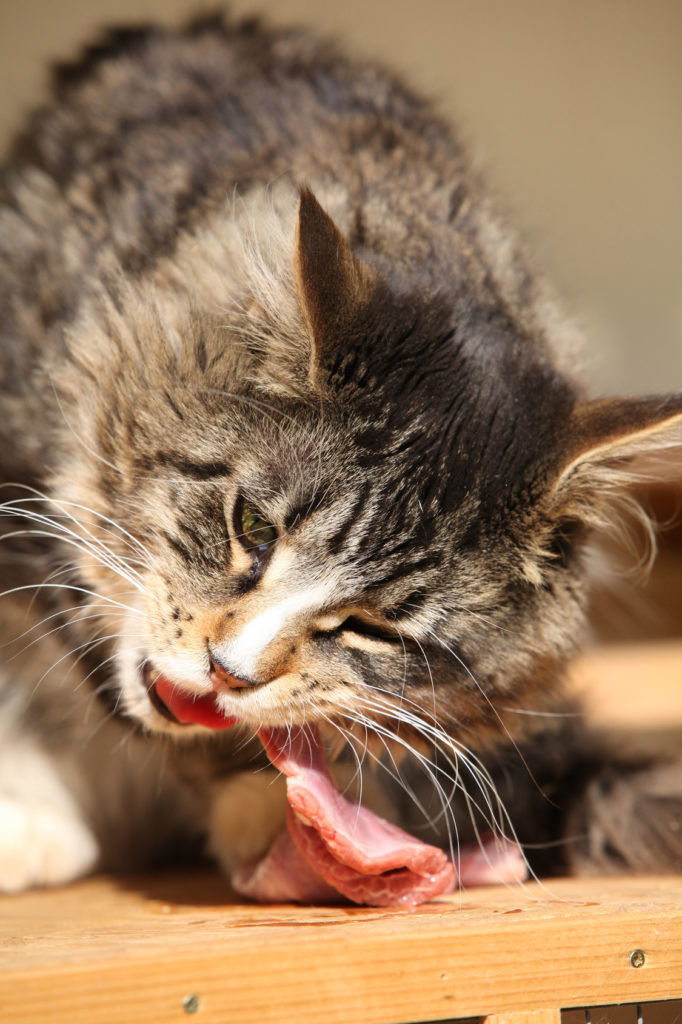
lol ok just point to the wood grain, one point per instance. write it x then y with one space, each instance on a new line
532 1017
111 950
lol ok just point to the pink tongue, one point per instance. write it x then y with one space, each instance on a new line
345 848
190 708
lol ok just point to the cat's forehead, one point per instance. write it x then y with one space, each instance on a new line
479 416
415 448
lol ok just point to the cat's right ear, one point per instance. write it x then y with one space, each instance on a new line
333 284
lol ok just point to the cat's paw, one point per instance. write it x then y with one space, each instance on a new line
40 846
248 811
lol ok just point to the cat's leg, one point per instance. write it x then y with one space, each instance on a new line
79 788
248 812
43 837
580 804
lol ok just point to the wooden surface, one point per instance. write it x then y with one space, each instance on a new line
532 1017
123 951
632 686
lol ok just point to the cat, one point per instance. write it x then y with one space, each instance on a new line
292 439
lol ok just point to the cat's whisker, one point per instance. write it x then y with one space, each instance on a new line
397 776
541 714
73 652
488 621
428 666
391 736
488 701
69 588
97 669
73 618
348 738
497 819
63 505
102 554
437 738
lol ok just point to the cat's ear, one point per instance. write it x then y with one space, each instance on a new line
333 284
615 441
611 430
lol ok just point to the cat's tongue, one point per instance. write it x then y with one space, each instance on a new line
189 708
335 846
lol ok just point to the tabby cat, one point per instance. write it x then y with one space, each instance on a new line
291 443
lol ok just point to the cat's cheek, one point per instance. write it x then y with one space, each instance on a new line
132 697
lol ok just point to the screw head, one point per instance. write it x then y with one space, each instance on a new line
637 958
191 1004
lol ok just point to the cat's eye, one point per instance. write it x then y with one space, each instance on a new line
253 529
368 630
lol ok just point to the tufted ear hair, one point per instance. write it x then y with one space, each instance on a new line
612 433
334 286
613 445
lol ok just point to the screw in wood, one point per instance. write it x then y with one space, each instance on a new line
191 1004
637 958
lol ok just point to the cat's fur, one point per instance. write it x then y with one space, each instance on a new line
387 382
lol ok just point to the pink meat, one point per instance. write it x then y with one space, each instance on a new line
282 876
354 851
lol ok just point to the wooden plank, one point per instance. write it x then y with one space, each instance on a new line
632 686
531 1017
105 951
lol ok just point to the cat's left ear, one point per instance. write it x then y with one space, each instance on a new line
611 439
334 285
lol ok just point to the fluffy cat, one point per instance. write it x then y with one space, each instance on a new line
290 437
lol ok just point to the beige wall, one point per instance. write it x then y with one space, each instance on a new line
572 106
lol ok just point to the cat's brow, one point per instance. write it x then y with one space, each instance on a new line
193 468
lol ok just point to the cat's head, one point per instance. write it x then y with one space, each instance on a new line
342 501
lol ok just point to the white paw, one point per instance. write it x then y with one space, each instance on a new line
247 812
40 846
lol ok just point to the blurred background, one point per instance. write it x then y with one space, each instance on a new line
571 107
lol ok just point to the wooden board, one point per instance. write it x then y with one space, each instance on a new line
110 951
632 686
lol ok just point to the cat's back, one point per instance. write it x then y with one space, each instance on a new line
154 133
152 127
152 130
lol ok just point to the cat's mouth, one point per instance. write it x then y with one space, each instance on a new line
331 847
182 707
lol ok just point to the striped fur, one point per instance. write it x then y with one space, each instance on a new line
235 266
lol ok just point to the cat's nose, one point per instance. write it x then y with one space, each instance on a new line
220 676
